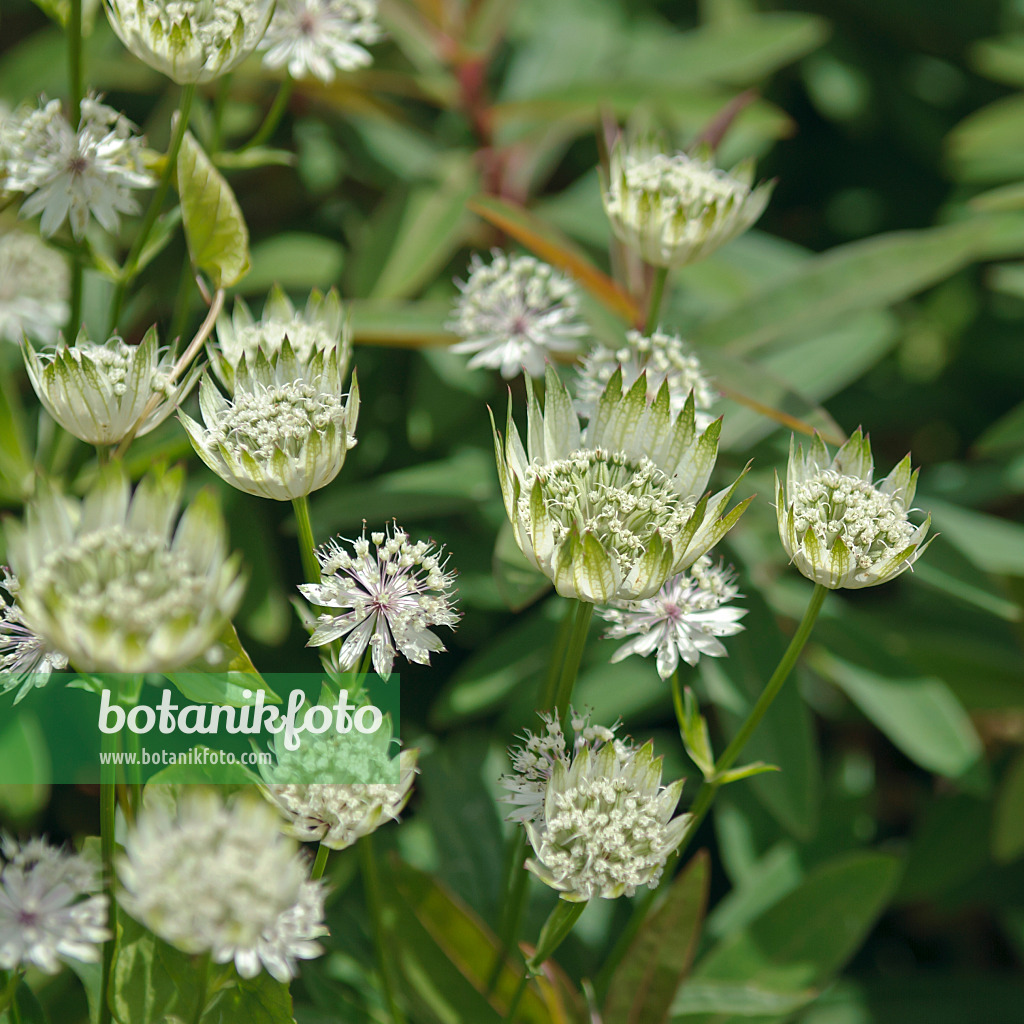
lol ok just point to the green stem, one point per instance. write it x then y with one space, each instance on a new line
274 115
709 788
307 546
75 305
202 988
10 988
108 802
75 61
657 291
371 885
550 691
573 657
131 266
320 864
677 702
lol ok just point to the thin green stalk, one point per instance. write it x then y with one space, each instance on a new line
573 657
75 305
709 788
320 864
307 546
371 885
202 988
654 305
75 60
677 702
131 265
517 998
274 115
550 690
108 803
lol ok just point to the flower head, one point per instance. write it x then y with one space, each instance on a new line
321 327
676 209
534 762
839 528
366 786
388 593
190 40
26 659
48 910
209 876
318 38
68 173
33 288
613 512
98 391
514 312
662 357
111 584
607 825
682 620
287 427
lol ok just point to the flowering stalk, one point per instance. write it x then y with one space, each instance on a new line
574 654
371 885
307 546
274 115
130 268
320 864
657 292
108 803
75 94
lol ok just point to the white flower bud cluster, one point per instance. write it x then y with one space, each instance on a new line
660 357
207 876
389 595
33 288
69 173
26 659
48 912
514 312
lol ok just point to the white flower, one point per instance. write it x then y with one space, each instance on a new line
337 787
26 659
33 288
112 585
321 37
47 910
676 209
70 174
534 762
207 876
389 597
190 40
321 326
514 312
98 391
662 357
838 528
682 620
607 825
613 512
287 427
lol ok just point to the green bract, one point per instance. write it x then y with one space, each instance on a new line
676 209
838 528
190 40
287 427
110 582
613 512
98 391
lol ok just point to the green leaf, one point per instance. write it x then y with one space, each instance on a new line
747 771
645 982
988 145
16 469
431 229
295 261
400 324
696 737
1008 814
260 1000
519 582
24 754
991 543
215 229
920 715
149 978
737 999
801 941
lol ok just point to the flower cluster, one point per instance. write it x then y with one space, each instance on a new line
103 391
287 427
682 620
71 173
606 827
190 40
207 876
34 288
515 311
50 907
389 597
662 358
613 512
26 659
318 38
675 209
108 582
840 529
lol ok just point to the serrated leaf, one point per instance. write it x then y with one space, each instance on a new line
215 229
